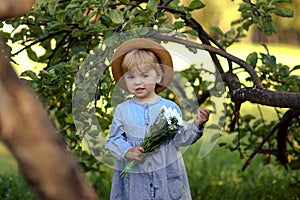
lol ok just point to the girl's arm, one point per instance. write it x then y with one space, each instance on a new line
117 143
194 130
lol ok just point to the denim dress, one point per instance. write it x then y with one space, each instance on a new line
161 175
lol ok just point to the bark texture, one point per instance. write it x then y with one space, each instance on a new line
39 149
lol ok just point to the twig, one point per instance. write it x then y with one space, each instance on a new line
261 115
286 117
36 42
209 48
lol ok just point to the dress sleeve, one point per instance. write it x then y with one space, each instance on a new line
117 143
188 135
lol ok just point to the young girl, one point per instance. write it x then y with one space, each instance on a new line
144 68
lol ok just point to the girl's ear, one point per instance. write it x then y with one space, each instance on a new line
159 76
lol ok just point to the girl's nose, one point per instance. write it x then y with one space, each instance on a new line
138 80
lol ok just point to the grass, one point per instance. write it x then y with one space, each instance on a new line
217 176
220 176
7 164
12 184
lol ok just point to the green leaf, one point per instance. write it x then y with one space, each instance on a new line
295 164
77 48
281 1
57 25
30 74
31 54
217 29
247 24
268 27
76 32
283 70
52 6
72 5
252 59
116 16
105 20
46 74
174 4
247 118
284 12
104 123
178 25
297 67
192 32
196 4
152 5
234 22
69 119
78 14
193 50
60 15
39 3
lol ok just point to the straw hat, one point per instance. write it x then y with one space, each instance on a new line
140 43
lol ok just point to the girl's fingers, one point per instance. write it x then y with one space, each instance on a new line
138 149
204 113
141 149
139 157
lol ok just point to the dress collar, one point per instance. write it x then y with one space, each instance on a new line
149 103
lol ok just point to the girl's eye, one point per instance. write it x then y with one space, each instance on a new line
145 75
130 77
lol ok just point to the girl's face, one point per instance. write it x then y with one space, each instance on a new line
141 83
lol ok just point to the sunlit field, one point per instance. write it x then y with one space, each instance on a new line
285 53
219 174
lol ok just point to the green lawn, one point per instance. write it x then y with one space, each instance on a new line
7 164
217 176
12 185
220 176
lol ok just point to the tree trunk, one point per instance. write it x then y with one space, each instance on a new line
14 8
35 143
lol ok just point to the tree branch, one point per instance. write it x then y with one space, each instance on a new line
37 41
202 35
209 48
290 114
267 97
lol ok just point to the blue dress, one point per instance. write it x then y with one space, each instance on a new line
161 175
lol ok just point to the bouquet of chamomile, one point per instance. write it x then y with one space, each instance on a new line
166 125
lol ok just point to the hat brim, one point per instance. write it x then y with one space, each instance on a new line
140 43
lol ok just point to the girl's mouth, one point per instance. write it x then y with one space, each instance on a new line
139 89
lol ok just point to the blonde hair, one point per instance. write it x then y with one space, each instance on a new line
140 59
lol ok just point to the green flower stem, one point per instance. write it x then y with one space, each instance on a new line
128 167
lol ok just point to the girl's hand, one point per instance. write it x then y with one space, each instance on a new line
135 153
201 117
